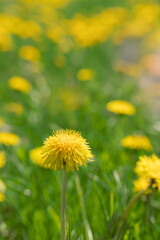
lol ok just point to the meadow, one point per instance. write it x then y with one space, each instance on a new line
80 65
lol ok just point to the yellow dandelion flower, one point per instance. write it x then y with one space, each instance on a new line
56 33
136 142
88 31
36 156
1 122
28 29
5 39
9 138
14 107
19 84
66 147
2 159
141 184
148 169
85 74
29 53
121 107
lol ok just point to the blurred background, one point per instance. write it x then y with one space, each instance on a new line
61 63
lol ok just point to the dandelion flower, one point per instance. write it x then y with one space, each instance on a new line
29 53
2 159
85 74
14 107
66 147
9 138
5 39
36 156
148 171
19 84
121 107
136 142
141 184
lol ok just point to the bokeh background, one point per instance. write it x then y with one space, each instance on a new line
61 63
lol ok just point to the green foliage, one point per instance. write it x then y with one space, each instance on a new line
59 100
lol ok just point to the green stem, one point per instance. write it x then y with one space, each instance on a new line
130 204
63 206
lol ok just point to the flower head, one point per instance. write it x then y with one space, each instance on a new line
29 53
66 148
7 138
36 156
141 184
121 107
5 40
148 171
136 142
2 159
85 74
19 84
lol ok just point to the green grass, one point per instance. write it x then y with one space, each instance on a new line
32 207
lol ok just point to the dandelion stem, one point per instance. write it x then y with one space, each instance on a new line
130 204
63 206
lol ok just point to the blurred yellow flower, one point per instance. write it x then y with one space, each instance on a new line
141 20
5 40
96 28
2 159
29 53
56 33
47 14
19 84
85 74
14 107
7 138
66 148
36 156
28 29
136 142
147 169
121 107
2 190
